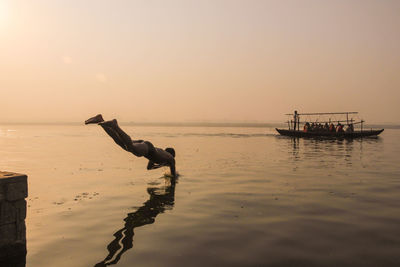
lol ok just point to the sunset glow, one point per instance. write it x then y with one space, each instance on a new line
208 61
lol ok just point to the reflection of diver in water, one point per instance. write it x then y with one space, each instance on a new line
161 199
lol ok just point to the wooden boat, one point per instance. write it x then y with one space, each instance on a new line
295 130
354 134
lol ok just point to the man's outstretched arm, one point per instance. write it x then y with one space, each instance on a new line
150 165
172 168
173 172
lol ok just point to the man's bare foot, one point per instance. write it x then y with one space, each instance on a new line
109 123
96 119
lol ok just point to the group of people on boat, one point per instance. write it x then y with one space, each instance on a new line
322 126
318 127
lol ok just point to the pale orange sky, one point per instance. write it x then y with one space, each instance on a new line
169 61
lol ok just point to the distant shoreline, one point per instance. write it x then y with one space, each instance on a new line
200 124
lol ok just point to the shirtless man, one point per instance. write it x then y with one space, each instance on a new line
157 157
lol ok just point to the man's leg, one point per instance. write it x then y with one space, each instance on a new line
138 148
123 139
98 119
114 135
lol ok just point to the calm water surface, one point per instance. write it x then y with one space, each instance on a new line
245 197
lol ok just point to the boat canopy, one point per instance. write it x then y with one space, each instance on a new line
344 117
326 113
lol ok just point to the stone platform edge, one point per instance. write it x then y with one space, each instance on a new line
13 191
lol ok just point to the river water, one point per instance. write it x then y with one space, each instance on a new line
244 197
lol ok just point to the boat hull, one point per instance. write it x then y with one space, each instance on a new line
355 134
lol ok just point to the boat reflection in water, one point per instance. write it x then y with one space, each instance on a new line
161 199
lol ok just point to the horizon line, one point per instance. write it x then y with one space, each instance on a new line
188 123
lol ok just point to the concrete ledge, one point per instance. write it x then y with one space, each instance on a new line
12 177
14 186
13 191
13 255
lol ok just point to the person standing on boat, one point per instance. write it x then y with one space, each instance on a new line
295 117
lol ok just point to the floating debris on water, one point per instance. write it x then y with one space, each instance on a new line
85 195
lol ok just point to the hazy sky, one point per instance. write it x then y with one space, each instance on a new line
204 60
